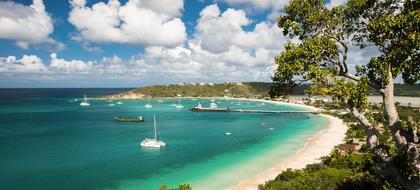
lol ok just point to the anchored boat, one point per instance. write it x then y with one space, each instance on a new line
123 119
211 109
85 101
148 105
153 143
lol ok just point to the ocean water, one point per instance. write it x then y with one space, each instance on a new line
49 143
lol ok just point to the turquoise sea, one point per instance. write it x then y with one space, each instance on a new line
49 143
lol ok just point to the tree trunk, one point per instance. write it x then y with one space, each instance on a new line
392 114
371 139
405 141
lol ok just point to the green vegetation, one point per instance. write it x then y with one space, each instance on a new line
337 171
353 169
180 187
247 89
411 90
321 58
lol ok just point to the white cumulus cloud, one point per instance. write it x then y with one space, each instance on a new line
252 6
219 50
138 22
27 24
27 64
73 66
217 31
335 3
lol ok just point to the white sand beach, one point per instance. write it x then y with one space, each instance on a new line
317 146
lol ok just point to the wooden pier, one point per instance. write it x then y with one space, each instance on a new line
273 111
196 109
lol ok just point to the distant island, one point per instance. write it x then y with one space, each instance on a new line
230 89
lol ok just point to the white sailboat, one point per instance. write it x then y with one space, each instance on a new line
213 104
173 104
148 105
111 103
153 143
179 104
85 101
119 102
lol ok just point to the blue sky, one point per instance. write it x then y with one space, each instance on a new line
78 43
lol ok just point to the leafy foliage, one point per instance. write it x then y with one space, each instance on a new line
325 37
337 171
180 187
320 57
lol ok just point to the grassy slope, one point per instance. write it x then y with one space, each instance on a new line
247 89
217 90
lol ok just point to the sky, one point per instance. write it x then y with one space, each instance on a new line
131 43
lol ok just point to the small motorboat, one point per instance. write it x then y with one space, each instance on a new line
73 101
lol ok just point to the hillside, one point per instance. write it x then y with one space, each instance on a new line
249 89
246 89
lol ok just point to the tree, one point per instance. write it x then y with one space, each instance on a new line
320 57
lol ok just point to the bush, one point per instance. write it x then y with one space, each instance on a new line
180 187
322 178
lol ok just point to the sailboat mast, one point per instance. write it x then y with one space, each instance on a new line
154 124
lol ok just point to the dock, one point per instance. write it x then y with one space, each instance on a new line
273 111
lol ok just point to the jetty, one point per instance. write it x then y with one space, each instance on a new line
274 111
198 109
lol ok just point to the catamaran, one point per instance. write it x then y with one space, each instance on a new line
179 104
111 103
153 143
85 101
213 105
148 105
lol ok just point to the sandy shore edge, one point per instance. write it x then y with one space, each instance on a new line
316 146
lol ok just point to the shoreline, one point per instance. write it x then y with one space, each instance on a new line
310 108
321 144
316 146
